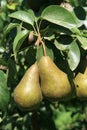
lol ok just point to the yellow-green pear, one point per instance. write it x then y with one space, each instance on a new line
81 84
28 93
54 82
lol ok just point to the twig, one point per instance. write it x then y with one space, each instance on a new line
2 67
38 41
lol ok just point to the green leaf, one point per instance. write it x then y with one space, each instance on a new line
63 42
24 16
59 46
12 73
30 56
49 36
4 93
60 16
20 37
83 41
12 6
62 119
72 51
1 24
73 55
8 29
3 4
40 52
3 62
49 51
3 16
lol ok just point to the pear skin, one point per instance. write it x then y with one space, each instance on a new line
28 93
54 82
81 84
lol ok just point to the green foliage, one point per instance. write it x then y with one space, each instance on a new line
60 16
20 37
4 93
26 17
64 33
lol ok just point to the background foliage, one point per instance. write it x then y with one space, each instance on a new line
65 36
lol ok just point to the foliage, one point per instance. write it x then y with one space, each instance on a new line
63 28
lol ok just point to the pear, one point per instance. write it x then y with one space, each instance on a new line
28 93
81 84
54 82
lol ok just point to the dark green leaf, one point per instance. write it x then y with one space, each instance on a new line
60 16
3 62
4 93
24 16
30 55
12 73
8 29
20 37
59 29
1 24
10 26
80 12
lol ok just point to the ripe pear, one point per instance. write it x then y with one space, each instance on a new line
81 84
28 93
54 82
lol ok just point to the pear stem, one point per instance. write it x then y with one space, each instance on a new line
35 121
38 41
44 49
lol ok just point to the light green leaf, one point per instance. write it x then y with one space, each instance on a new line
24 16
60 46
4 93
20 37
12 6
49 37
73 55
83 41
60 16
3 4
72 51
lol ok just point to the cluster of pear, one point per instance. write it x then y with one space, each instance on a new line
46 80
